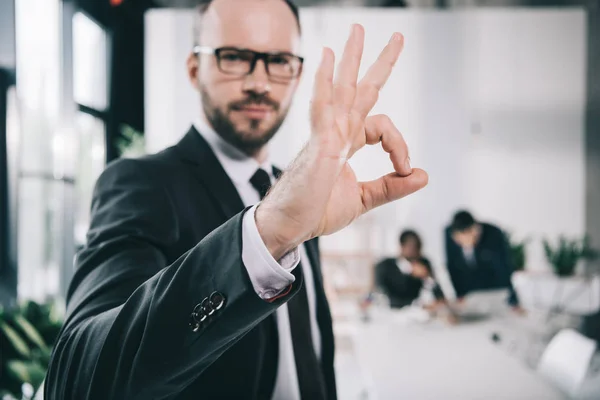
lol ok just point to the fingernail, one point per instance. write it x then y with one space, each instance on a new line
396 37
407 164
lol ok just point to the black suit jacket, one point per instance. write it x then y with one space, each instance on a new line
401 289
493 264
165 235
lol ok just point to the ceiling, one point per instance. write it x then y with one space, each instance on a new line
192 3
411 3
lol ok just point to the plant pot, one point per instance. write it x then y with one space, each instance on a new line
564 271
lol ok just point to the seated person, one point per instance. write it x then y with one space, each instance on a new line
478 257
403 278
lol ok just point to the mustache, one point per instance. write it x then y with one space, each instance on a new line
255 99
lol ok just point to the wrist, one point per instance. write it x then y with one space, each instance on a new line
270 228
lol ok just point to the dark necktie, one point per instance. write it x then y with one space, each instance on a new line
308 367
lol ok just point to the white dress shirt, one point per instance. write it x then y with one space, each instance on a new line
469 253
404 265
406 268
268 276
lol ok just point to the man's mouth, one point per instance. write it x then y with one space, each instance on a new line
255 111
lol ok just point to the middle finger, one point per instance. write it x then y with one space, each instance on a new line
377 75
344 89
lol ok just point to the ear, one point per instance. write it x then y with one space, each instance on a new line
192 69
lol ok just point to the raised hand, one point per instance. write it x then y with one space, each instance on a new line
319 194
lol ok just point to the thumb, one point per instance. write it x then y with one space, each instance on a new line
391 187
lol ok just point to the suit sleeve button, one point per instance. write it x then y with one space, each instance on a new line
217 300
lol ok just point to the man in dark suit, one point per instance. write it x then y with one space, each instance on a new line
402 278
478 257
187 289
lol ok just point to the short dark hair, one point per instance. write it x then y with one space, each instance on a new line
203 5
409 234
462 221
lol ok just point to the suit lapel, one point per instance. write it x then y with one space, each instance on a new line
207 168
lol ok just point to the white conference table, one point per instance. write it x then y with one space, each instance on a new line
434 361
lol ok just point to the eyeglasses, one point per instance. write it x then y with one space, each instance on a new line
241 62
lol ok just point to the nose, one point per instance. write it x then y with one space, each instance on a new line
258 80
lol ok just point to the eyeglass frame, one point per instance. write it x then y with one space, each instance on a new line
197 50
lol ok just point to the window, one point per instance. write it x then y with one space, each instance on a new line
91 132
61 152
90 63
90 92
41 184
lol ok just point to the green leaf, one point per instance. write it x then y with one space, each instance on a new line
4 394
29 331
548 251
17 342
26 371
55 315
568 252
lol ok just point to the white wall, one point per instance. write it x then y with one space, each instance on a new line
530 109
170 102
490 101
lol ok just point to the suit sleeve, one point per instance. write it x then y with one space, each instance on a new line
127 334
452 262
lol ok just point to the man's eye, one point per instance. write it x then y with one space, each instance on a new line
230 57
278 60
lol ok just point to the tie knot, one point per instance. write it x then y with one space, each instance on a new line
261 182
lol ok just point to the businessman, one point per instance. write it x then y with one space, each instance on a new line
478 257
190 286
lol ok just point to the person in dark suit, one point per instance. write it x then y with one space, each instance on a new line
403 278
198 280
478 257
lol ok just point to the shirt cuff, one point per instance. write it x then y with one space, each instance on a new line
429 283
268 276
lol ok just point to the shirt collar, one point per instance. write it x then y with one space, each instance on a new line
238 165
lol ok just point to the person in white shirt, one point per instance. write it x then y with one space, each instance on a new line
199 280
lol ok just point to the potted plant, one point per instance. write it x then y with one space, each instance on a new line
518 253
566 255
131 142
27 334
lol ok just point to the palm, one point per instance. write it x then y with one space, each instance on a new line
345 203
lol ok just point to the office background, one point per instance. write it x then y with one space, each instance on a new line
498 100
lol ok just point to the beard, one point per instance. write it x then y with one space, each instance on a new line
251 140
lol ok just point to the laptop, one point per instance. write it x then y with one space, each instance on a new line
482 304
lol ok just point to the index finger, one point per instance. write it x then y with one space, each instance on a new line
377 75
380 128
